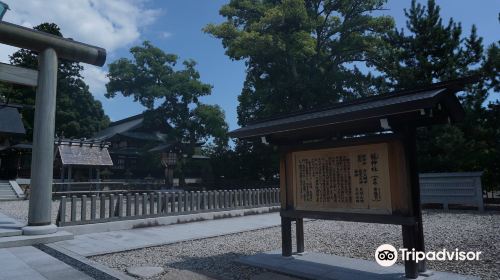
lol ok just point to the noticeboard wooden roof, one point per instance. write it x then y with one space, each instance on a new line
88 154
434 104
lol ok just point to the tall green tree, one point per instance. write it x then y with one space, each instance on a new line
78 114
431 51
300 54
171 97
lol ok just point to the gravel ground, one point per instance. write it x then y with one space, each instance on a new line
18 209
468 231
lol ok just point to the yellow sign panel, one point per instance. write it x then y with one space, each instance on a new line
348 179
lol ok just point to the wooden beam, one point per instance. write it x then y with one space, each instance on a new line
18 75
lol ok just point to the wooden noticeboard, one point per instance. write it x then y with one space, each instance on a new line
366 178
348 179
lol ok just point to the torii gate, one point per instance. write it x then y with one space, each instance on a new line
50 48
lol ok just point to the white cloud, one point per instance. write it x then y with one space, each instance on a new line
165 34
111 24
96 79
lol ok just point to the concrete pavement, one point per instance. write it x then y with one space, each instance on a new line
116 241
30 263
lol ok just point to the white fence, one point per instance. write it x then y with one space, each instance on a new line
452 188
77 210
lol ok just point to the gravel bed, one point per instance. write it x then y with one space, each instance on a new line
465 230
18 209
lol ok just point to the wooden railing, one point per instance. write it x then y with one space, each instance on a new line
77 210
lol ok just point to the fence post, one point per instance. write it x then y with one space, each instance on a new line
266 196
240 198
205 200
172 206
128 208
186 198
167 202
192 201
62 211
73 208
111 205
151 203
119 206
93 203
144 204
216 200
179 202
136 204
259 197
159 205
225 199
102 206
221 199
209 200
198 201
83 211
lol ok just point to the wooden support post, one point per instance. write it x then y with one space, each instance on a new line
410 242
300 234
286 237
411 155
73 208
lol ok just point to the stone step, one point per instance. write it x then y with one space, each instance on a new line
11 196
6 232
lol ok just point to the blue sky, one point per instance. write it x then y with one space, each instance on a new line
175 26
182 22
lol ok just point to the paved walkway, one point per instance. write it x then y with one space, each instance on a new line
331 267
116 241
30 263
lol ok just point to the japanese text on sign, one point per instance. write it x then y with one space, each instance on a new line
348 178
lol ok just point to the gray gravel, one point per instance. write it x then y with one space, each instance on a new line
469 231
18 209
